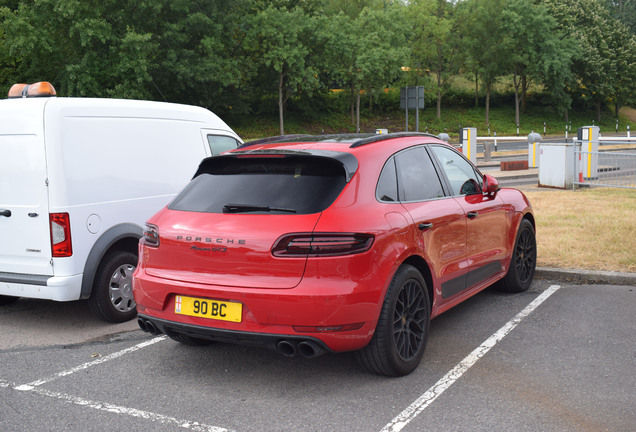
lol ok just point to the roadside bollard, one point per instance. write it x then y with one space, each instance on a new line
468 139
533 149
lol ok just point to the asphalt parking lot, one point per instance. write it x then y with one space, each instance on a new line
560 357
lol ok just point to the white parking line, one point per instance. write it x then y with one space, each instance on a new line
416 408
115 409
33 387
103 406
101 360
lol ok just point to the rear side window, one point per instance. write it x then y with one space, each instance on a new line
387 184
219 144
276 185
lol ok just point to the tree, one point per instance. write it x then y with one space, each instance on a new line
482 31
436 44
606 67
624 11
622 79
282 40
200 57
532 46
180 51
367 51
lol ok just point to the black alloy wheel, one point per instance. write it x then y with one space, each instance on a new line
398 344
523 262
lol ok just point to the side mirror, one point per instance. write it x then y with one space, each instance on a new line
490 185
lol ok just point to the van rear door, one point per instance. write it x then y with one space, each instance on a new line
25 246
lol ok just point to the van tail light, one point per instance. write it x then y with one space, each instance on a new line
151 236
322 244
61 245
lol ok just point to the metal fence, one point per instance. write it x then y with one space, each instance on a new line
610 169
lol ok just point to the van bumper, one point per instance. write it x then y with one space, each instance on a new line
58 288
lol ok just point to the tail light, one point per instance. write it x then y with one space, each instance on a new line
61 245
151 236
322 244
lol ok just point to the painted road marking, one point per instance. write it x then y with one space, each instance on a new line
84 366
34 387
116 409
416 408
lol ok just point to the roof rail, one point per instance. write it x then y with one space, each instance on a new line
382 137
273 139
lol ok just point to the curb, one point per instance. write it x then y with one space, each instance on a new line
586 276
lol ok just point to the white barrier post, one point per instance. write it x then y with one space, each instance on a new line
588 135
469 143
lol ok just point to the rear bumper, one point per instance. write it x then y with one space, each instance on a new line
268 315
286 345
58 288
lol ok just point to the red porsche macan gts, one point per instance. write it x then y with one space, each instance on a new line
309 245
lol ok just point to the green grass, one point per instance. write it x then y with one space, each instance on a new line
501 121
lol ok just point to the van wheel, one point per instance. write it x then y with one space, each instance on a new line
7 300
112 297
397 346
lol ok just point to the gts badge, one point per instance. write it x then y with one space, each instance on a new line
209 249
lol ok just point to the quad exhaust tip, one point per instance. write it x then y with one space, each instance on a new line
148 326
307 348
286 347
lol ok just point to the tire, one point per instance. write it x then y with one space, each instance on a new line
7 300
189 340
523 261
398 344
112 298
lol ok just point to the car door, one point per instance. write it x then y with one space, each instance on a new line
439 222
486 222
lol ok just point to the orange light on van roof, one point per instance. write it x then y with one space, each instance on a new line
39 89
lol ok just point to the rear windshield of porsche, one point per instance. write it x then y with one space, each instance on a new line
263 185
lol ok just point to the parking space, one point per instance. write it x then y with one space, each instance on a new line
558 357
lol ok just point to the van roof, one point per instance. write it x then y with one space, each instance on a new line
98 107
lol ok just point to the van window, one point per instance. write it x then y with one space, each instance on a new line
221 143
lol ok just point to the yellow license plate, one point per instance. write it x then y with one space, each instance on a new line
213 309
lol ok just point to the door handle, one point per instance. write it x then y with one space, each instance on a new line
425 226
472 215
6 213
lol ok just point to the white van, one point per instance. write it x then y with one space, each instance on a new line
78 179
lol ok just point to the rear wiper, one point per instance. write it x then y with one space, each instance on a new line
241 208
